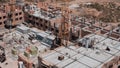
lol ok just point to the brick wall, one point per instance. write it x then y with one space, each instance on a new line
3 18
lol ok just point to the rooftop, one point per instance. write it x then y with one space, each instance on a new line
81 56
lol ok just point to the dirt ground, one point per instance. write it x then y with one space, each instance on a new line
77 1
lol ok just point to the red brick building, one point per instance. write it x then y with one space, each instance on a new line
9 12
3 18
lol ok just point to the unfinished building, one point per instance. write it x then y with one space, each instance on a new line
3 19
10 14
53 36
44 19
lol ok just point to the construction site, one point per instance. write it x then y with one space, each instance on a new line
59 34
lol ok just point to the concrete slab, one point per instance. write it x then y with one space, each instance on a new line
76 65
90 62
